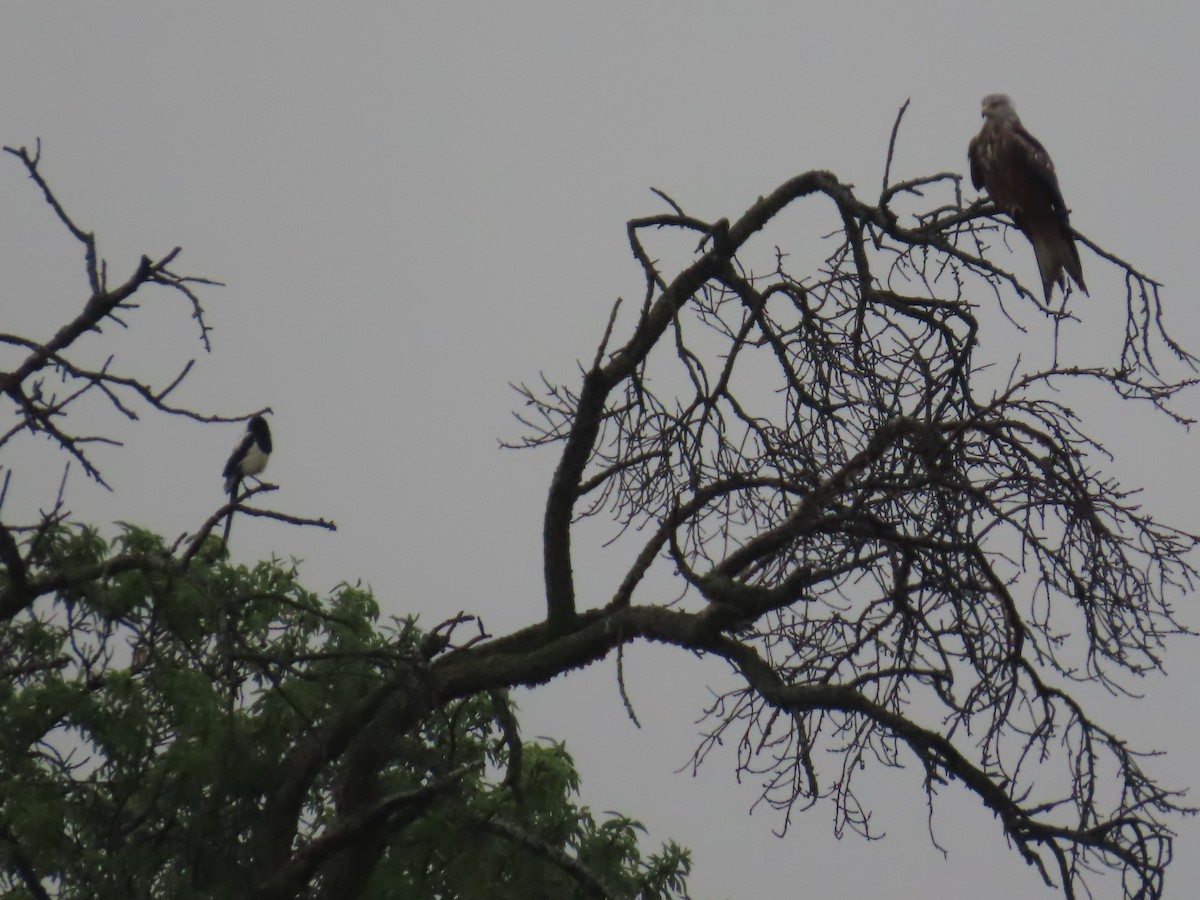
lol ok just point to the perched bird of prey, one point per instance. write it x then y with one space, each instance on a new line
249 457
1019 177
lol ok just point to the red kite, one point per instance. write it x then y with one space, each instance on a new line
1019 177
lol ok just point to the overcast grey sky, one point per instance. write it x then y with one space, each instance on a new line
414 205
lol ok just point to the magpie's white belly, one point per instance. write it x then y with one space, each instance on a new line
255 461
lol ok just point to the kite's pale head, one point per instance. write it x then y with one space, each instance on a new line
998 106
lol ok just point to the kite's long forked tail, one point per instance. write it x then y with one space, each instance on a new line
1057 256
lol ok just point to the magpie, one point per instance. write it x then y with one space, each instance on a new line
249 457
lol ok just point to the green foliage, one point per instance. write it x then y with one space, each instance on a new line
154 715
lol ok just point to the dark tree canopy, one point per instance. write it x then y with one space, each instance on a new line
207 733
905 556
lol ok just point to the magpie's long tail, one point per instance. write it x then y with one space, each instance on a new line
229 518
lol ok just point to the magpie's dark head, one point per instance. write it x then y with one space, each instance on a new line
262 434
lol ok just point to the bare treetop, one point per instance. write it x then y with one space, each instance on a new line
48 380
902 560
